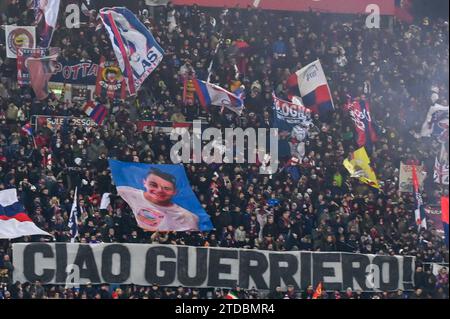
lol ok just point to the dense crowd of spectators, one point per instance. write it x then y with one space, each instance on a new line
311 204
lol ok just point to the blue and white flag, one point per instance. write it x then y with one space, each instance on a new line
73 219
160 196
135 48
211 94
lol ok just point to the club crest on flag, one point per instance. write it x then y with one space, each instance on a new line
110 81
19 37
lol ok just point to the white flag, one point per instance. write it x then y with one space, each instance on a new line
73 219
19 37
105 201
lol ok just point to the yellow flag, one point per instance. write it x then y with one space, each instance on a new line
359 166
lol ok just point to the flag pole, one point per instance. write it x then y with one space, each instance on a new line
216 50
34 141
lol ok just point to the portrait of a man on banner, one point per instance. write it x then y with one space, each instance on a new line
160 197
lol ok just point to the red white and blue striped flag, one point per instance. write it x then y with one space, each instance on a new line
14 222
313 86
95 111
27 129
419 212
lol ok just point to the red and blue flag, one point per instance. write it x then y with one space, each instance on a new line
95 111
365 127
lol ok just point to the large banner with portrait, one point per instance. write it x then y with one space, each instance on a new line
202 267
160 196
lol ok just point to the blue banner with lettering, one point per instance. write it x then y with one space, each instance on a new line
76 72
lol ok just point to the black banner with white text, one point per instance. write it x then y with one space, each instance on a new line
202 267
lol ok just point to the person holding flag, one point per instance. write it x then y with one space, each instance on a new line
313 88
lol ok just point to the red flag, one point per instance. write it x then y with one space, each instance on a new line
403 11
318 291
444 214
41 70
360 114
444 205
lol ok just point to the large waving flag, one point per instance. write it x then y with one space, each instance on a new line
313 86
41 70
362 118
359 166
135 48
46 16
419 212
211 94
14 222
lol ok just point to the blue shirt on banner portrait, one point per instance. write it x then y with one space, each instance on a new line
160 196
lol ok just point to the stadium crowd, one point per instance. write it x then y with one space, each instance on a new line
310 204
